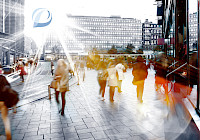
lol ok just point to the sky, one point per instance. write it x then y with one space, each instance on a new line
139 9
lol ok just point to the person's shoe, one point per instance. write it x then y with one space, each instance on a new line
120 91
111 101
102 98
78 84
62 113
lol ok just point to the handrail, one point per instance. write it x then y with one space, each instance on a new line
173 64
176 69
193 67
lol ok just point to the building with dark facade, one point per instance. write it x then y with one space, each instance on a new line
150 34
11 30
180 32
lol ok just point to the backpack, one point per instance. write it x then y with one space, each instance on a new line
9 96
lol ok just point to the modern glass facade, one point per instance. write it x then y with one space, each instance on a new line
11 30
180 31
103 32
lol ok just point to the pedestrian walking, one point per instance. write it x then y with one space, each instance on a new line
82 69
76 70
22 71
1 69
8 98
112 79
102 78
62 78
52 67
140 74
120 69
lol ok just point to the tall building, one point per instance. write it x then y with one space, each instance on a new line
103 32
11 30
150 34
182 27
193 30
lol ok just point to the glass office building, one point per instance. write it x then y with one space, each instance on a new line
11 30
103 32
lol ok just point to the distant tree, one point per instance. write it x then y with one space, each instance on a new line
139 51
129 49
113 50
157 48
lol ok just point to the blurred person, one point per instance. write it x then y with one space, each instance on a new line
22 71
140 74
112 79
82 69
102 78
120 69
31 62
1 69
61 75
8 98
52 67
161 68
76 70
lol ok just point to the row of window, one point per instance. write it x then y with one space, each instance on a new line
104 41
106 33
92 19
112 28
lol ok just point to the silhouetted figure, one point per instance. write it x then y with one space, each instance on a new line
161 68
1 69
8 98
22 71
52 67
82 69
120 69
76 70
140 74
62 77
112 79
102 77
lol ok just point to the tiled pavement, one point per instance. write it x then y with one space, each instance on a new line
87 117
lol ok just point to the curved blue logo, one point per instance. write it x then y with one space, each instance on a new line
41 17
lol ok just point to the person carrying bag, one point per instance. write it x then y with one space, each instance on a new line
140 74
61 82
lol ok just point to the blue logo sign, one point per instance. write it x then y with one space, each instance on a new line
41 17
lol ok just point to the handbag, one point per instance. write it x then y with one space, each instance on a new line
54 84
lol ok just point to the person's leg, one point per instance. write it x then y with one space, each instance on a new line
140 89
103 88
22 78
112 90
119 86
57 95
63 102
6 121
100 85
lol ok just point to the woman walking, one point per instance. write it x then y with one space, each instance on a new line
102 78
112 79
62 77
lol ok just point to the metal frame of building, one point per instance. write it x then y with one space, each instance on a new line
11 31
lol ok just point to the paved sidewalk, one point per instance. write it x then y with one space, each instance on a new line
87 117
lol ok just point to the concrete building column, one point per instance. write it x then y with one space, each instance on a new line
8 58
